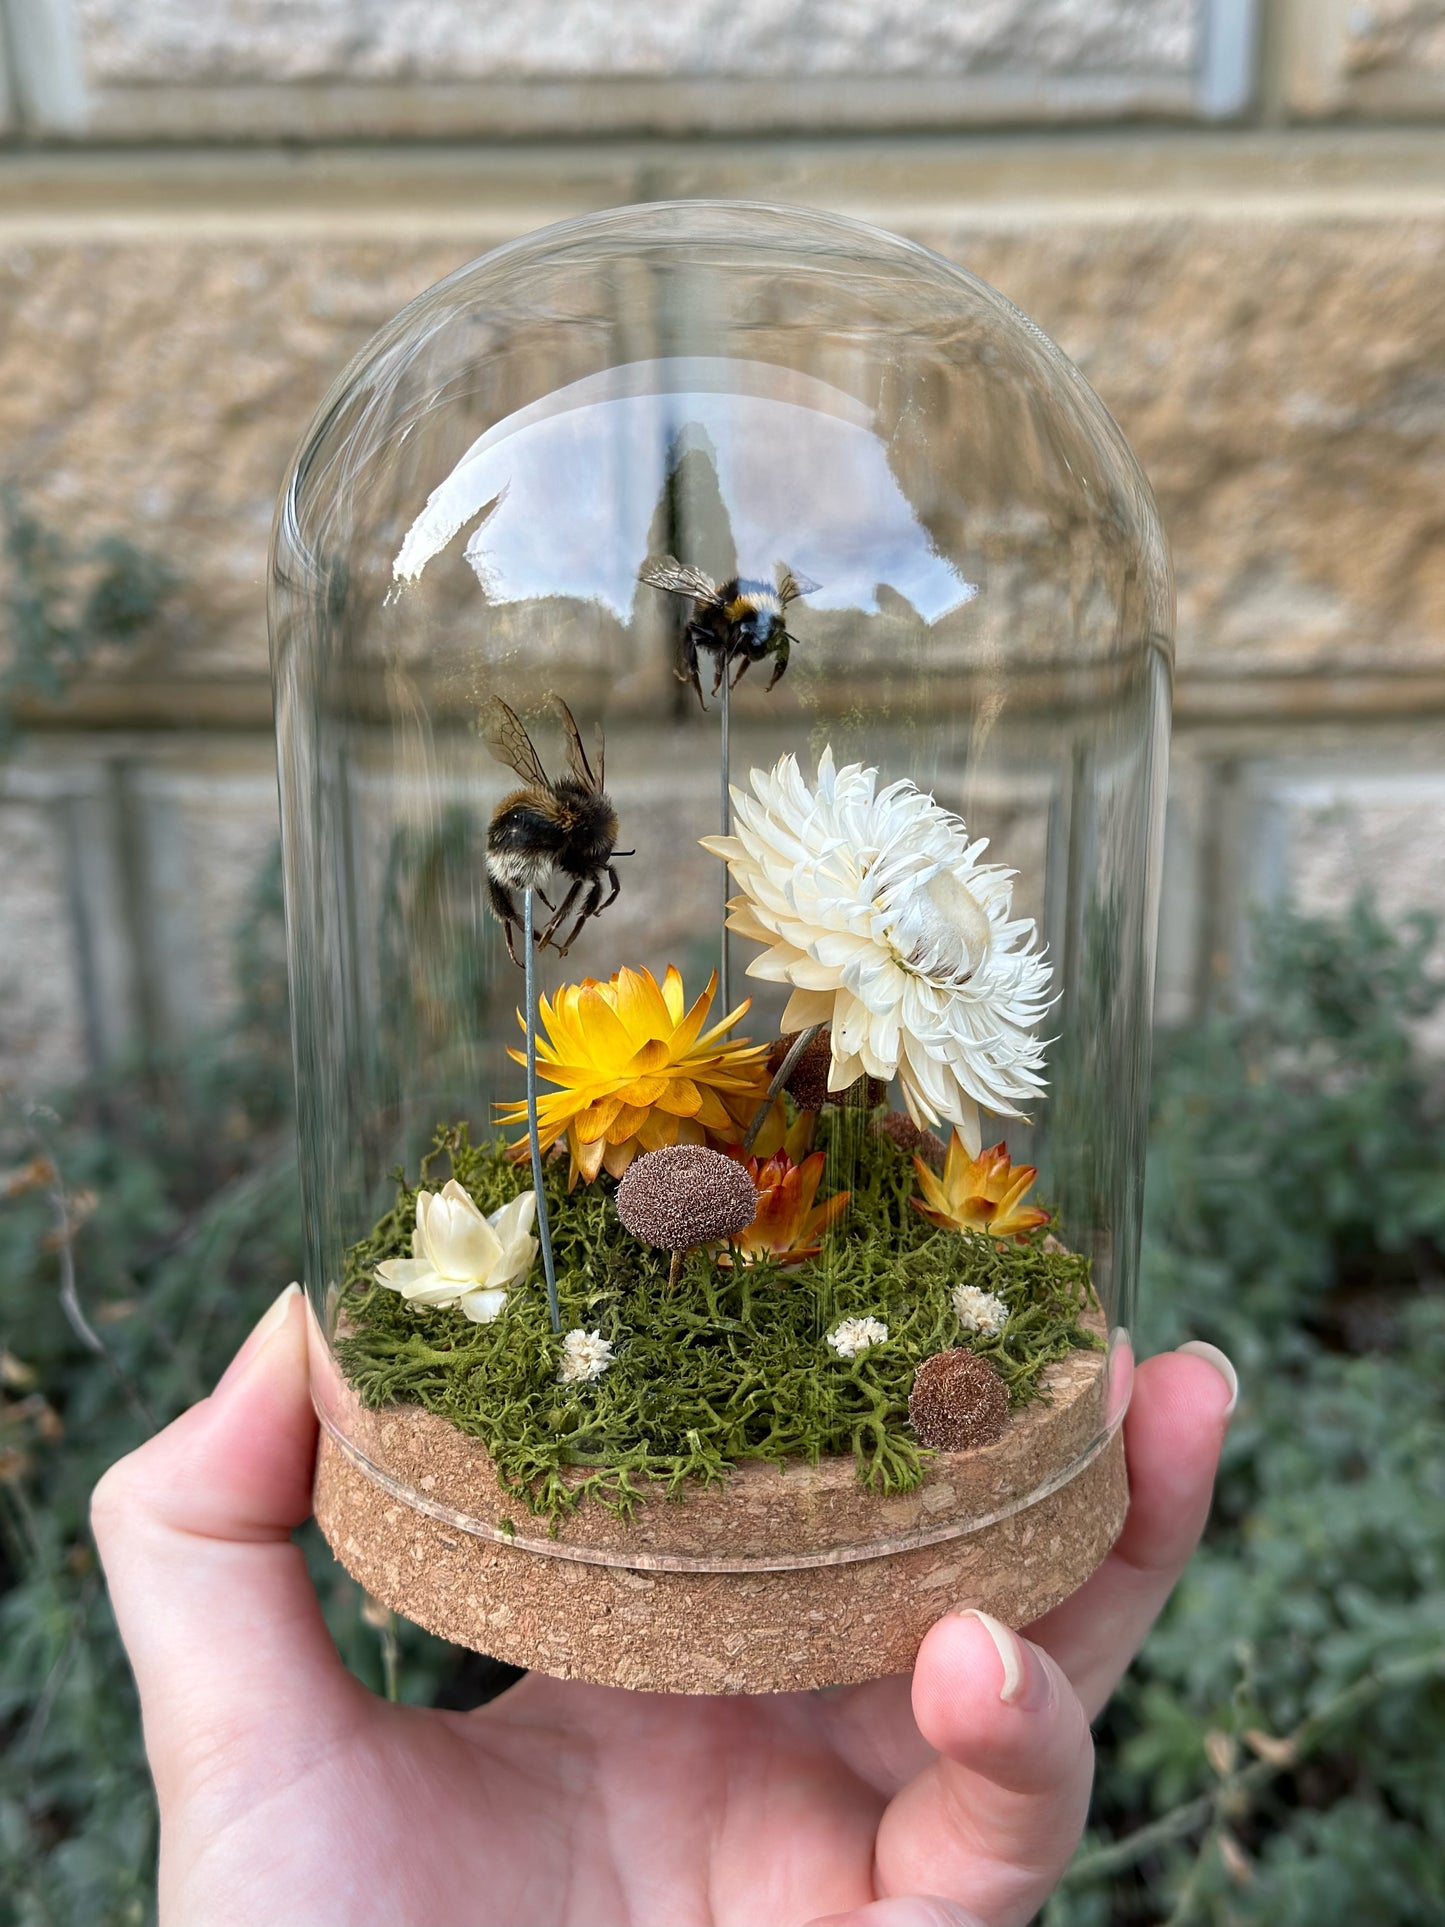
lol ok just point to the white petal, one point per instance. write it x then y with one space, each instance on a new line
482 1307
460 1242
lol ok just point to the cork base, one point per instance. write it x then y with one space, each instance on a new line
822 1616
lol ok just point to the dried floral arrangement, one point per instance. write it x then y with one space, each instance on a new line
746 1254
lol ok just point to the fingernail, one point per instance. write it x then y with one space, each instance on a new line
1026 1681
1212 1355
261 1334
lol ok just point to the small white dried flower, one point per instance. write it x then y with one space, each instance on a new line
855 1335
979 1310
585 1356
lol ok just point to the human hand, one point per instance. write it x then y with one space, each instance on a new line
290 1794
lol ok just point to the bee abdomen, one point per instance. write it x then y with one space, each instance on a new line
522 845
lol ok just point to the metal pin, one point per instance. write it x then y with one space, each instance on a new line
784 1071
726 818
544 1228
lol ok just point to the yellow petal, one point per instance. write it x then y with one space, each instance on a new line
682 1098
593 1123
587 1157
627 1123
672 992
617 1157
606 1036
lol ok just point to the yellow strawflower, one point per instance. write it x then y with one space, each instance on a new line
635 1071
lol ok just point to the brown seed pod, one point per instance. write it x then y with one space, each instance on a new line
958 1401
685 1195
908 1137
807 1083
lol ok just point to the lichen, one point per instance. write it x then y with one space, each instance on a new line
731 1366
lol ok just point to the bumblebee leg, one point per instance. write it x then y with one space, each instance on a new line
589 909
784 649
689 671
745 663
505 911
616 882
560 916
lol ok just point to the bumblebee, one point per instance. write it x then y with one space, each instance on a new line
567 826
739 621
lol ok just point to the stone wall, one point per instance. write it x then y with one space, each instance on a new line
1255 296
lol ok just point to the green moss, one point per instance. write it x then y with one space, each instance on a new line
732 1364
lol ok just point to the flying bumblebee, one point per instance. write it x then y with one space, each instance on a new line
568 826
739 621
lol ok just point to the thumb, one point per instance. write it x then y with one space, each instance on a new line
214 1603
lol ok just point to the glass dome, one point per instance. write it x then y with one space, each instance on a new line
765 615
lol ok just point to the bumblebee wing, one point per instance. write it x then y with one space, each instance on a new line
679 578
791 586
506 737
576 753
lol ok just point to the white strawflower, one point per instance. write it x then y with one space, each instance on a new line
873 904
462 1258
979 1310
855 1335
585 1356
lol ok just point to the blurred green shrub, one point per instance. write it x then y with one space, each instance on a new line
1275 1759
1297 1218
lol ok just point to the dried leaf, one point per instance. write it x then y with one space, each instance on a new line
1221 1752
1275 1752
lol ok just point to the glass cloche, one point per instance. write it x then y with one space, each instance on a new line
722 662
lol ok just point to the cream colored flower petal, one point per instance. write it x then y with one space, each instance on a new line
460 1242
806 1008
418 1283
513 1221
401 1272
482 1307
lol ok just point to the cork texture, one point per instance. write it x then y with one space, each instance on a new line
745 1631
719 1632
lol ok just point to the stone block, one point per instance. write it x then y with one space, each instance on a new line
249 41
320 68
1383 59
207 824
42 1002
1279 379
1323 833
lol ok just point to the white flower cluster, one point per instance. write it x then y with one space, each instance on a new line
585 1356
855 1335
979 1310
874 906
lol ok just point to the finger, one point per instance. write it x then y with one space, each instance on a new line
218 1615
905 1910
992 1823
1177 1419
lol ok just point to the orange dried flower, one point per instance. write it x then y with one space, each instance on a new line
789 1226
978 1194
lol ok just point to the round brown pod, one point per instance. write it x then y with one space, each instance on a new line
958 1401
685 1195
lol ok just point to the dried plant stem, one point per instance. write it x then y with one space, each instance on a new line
784 1071
70 1303
725 822
390 1657
1236 1789
544 1228
674 1270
